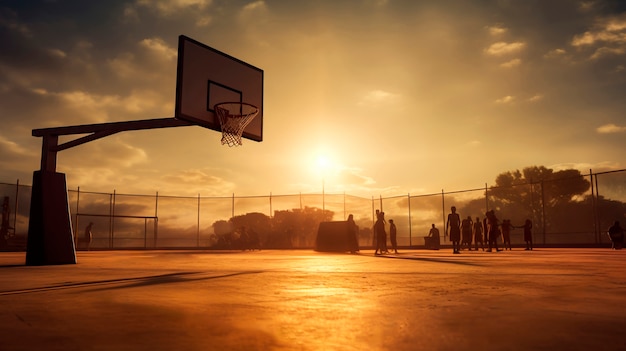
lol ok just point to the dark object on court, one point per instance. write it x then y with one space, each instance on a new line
333 237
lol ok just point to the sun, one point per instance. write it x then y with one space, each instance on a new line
323 163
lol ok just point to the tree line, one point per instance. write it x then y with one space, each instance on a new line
556 201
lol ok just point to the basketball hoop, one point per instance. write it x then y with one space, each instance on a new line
234 117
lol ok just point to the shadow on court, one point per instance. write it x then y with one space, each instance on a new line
565 299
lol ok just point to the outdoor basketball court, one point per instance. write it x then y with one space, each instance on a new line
547 299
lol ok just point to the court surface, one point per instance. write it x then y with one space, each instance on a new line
546 299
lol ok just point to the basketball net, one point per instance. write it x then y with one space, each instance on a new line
234 117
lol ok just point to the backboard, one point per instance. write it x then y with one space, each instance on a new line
206 77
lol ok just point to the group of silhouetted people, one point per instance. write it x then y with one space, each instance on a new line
463 232
380 234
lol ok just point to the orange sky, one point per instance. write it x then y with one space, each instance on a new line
398 96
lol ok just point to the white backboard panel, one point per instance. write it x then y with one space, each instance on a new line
206 77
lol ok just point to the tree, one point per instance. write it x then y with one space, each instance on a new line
256 226
298 227
543 195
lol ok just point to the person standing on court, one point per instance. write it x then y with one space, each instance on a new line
466 232
493 231
4 228
616 233
353 231
453 229
381 235
506 233
478 234
88 236
392 236
528 234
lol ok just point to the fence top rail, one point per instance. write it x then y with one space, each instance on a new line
462 191
115 216
607 172
526 182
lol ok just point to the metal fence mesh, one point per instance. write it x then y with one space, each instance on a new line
157 221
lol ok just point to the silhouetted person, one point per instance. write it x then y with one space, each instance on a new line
4 226
493 230
506 233
433 239
486 229
353 231
392 236
381 235
466 233
616 233
528 234
453 229
88 236
478 234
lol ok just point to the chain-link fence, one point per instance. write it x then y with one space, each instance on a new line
564 211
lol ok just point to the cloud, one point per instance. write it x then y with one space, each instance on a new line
510 64
108 163
607 37
535 98
610 129
194 9
8 19
377 98
354 176
158 46
497 30
503 48
256 5
505 100
584 167
106 108
12 151
145 65
606 51
170 7
195 181
555 53
113 153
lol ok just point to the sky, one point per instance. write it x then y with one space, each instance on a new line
366 97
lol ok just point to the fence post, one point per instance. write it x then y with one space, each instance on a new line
486 198
110 221
373 214
198 233
596 235
344 206
543 212
410 225
156 218
113 221
323 196
76 220
597 214
443 214
17 192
